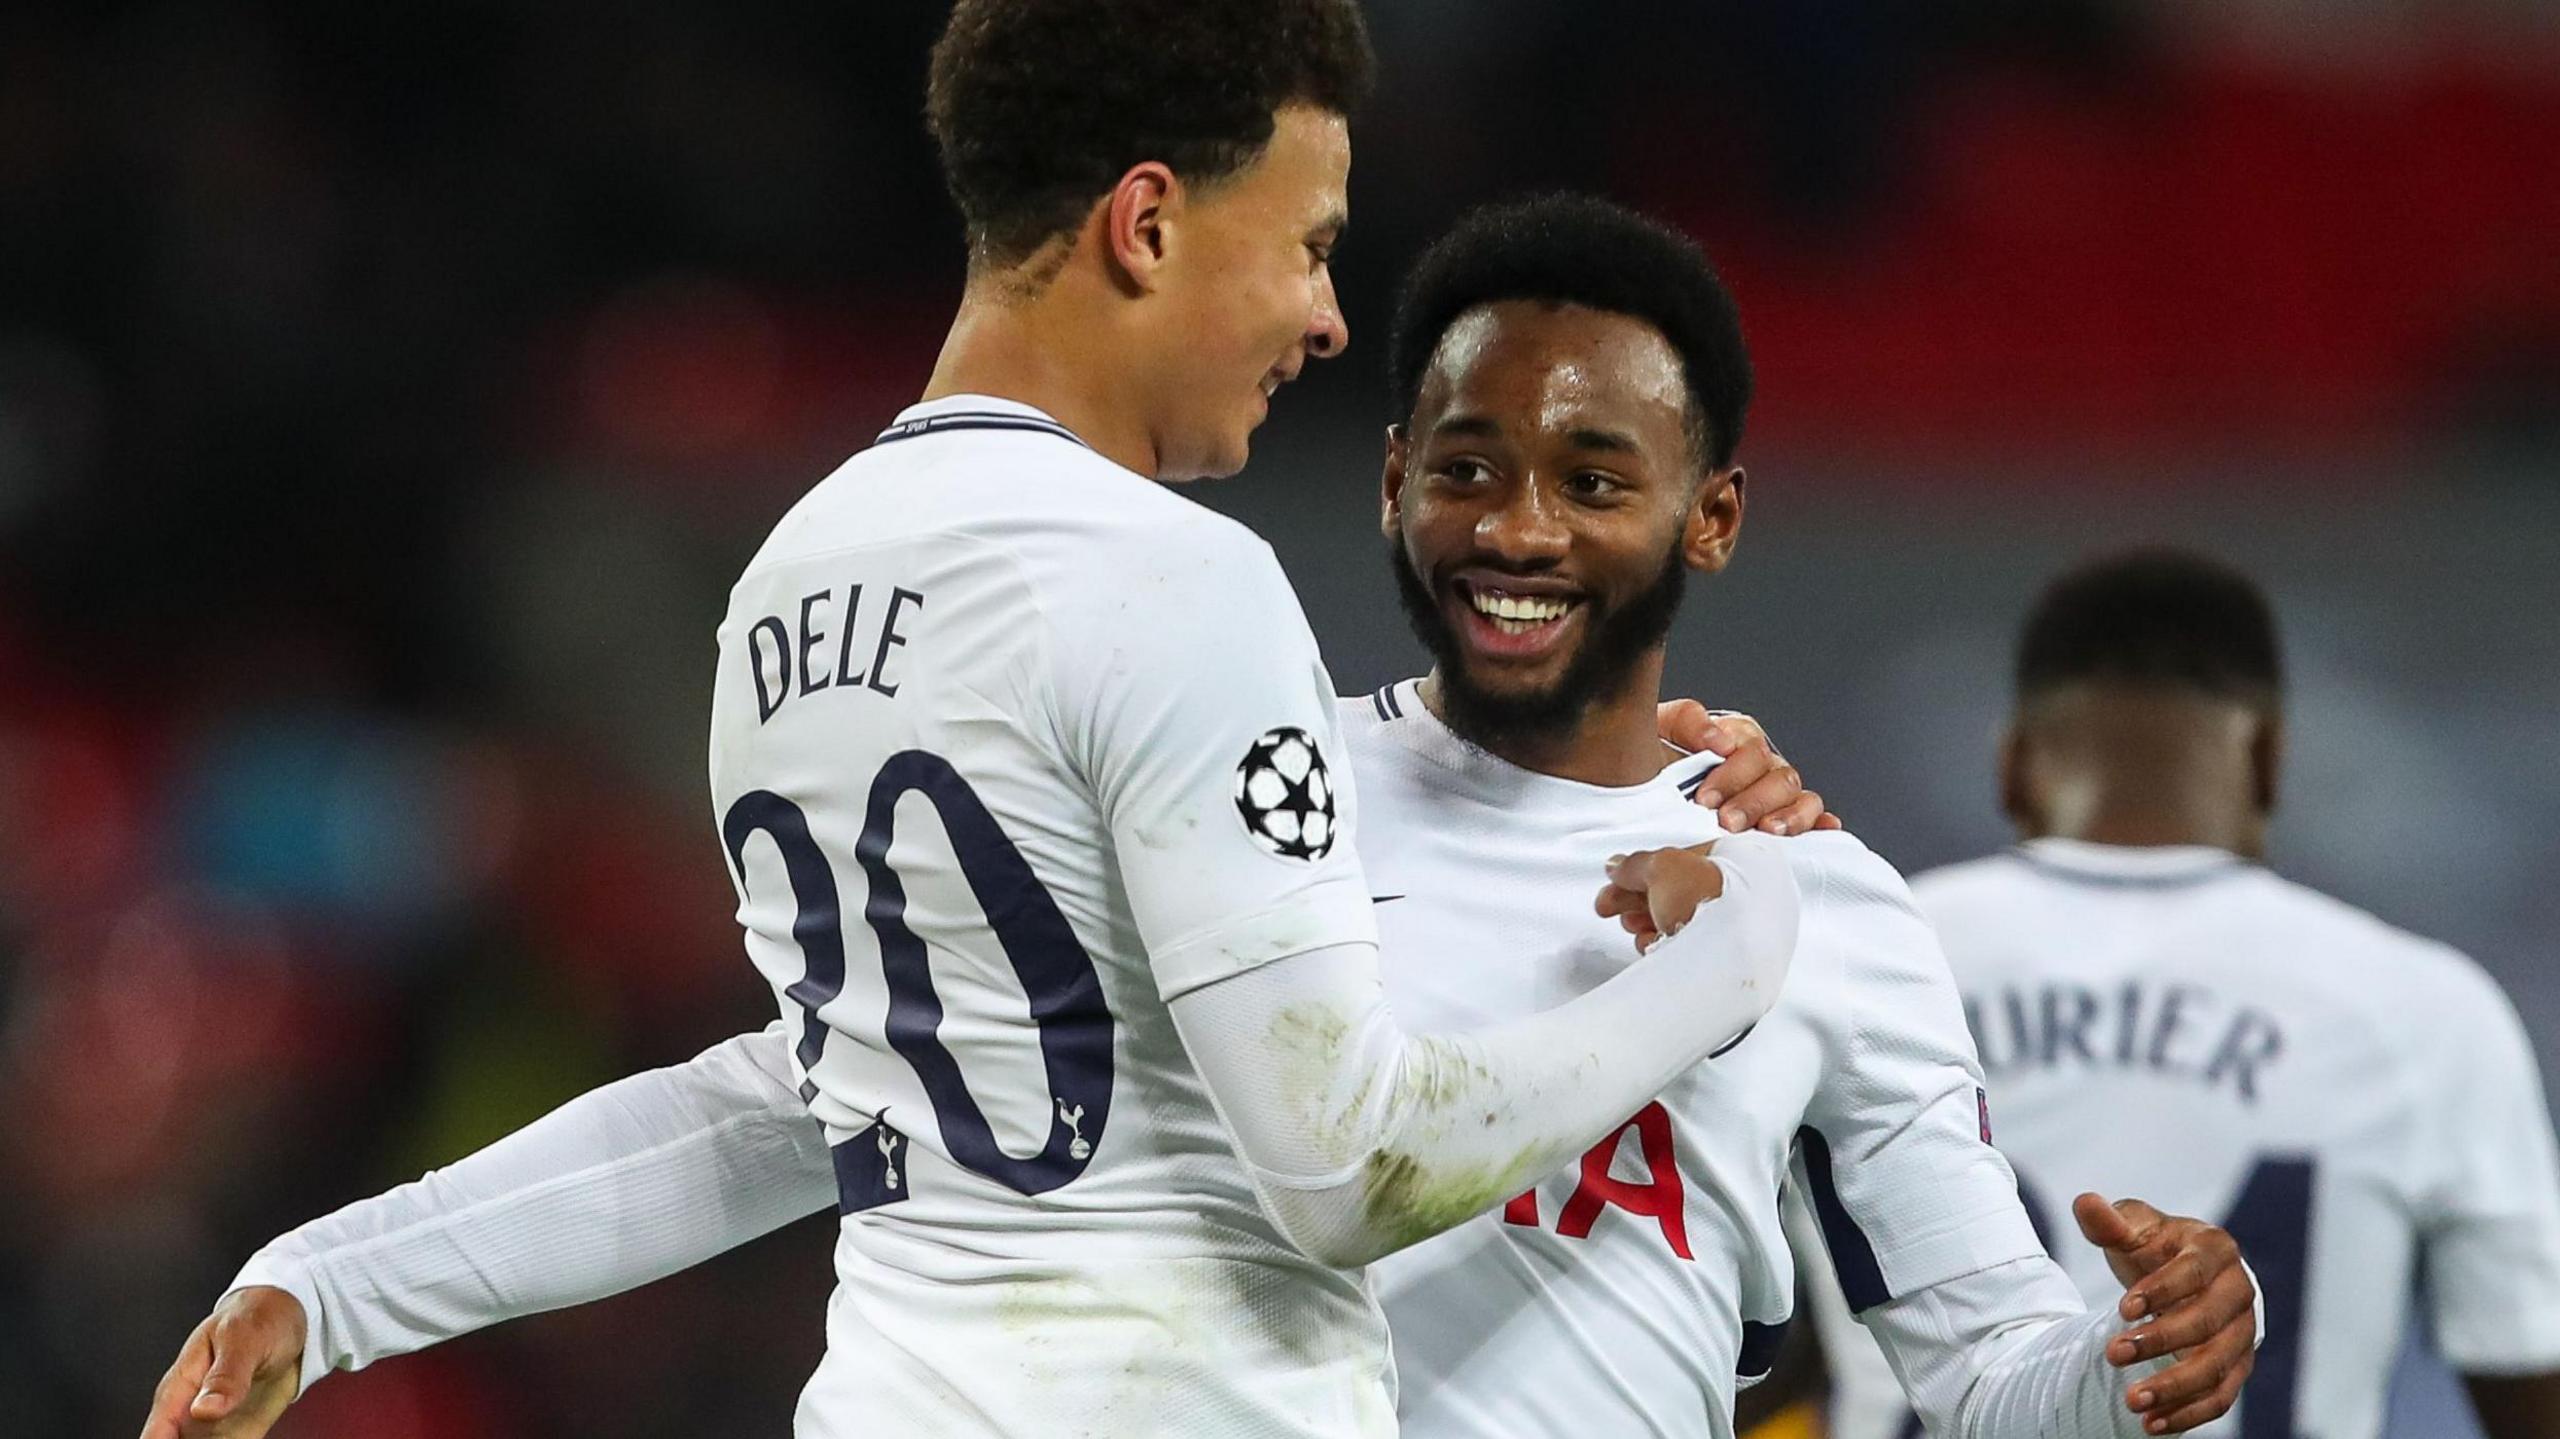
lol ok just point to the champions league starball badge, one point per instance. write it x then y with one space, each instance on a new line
1285 795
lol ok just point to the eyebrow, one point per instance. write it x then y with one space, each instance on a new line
1475 426
1615 442
1610 441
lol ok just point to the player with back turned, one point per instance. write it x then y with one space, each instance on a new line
1030 782
2156 1009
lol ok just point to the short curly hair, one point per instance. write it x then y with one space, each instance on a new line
2158 619
1040 106
1583 250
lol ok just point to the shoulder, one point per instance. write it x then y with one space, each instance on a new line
2435 998
2396 966
1859 907
1146 547
1837 871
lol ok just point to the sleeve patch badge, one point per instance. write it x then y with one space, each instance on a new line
1284 794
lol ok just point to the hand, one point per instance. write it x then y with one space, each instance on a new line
1653 892
1755 785
236 1373
2184 1278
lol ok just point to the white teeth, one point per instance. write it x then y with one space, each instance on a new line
1529 609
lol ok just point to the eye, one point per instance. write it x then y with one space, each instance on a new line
1593 485
1463 471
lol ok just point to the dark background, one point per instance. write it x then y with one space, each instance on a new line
389 393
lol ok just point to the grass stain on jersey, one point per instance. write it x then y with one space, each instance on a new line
1405 1203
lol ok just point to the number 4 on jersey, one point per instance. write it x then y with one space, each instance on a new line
1658 1197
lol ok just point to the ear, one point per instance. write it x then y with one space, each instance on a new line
1391 482
1136 218
1715 521
2266 761
2017 795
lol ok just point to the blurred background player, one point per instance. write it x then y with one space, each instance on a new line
1028 777
2158 1011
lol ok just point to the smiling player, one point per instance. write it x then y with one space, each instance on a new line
1574 383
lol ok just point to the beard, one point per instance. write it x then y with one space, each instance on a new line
1615 640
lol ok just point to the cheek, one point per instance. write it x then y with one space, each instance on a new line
1430 534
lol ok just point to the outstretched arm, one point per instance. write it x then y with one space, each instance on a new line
2006 1353
618 1187
1363 1138
1921 1219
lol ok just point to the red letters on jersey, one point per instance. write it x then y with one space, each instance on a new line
1659 1198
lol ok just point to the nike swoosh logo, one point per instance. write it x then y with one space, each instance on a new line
1383 898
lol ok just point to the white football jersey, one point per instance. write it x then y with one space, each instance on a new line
2358 1106
1624 1296
1066 736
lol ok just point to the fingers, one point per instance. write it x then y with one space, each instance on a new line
1687 725
2202 1410
1655 892
180 1385
2134 1238
2100 1222
238 1351
2185 1274
1755 787
2197 1389
1801 815
2188 1275
2223 1306
1754 782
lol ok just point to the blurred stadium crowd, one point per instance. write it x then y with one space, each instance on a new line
389 393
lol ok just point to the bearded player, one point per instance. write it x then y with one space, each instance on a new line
1028 778
2156 1008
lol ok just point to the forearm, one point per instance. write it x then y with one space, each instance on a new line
618 1187
2055 1383
1363 1138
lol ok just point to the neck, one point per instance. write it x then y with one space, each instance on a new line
2109 810
1615 741
1045 351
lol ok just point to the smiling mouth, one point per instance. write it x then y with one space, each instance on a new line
1511 623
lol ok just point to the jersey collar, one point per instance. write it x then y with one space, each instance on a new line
1403 716
973 412
2125 866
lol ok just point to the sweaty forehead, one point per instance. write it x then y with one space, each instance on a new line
1554 366
1307 165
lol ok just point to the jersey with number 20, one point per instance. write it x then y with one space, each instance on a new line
1009 699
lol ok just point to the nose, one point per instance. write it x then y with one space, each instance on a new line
1526 528
1328 334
